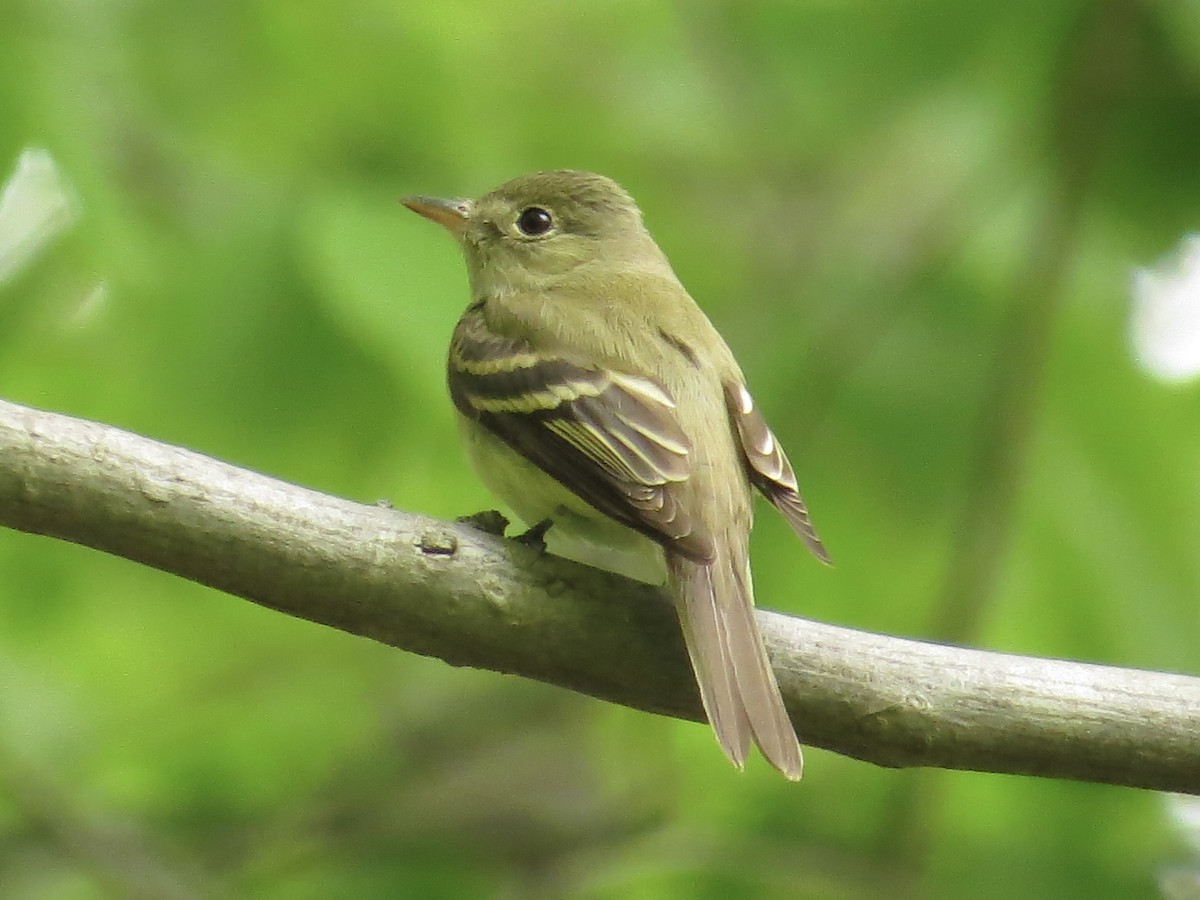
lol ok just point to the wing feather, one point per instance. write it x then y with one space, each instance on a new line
610 437
770 470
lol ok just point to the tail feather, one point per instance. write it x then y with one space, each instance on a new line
703 624
769 720
737 684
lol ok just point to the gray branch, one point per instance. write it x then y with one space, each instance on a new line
473 599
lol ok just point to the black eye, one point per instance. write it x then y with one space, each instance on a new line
534 221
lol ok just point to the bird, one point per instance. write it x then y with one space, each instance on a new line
599 402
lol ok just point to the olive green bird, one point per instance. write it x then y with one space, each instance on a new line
595 395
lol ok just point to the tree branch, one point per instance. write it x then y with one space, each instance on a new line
473 599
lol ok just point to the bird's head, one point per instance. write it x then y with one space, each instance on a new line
538 227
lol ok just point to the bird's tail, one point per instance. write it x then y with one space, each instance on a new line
737 685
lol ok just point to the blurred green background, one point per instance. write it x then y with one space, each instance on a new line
915 223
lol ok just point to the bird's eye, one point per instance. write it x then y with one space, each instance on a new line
534 221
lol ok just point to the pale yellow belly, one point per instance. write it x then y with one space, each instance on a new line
579 532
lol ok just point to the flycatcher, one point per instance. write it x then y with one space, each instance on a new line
595 396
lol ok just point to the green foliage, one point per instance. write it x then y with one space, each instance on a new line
915 223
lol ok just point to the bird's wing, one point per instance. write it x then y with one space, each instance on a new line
770 470
611 438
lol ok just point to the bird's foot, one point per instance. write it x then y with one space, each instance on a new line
535 537
489 521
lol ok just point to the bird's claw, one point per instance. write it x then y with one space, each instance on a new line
489 521
535 537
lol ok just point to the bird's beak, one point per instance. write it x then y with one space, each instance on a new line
452 215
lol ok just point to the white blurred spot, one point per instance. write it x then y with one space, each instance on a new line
1166 315
1182 882
36 205
1183 811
